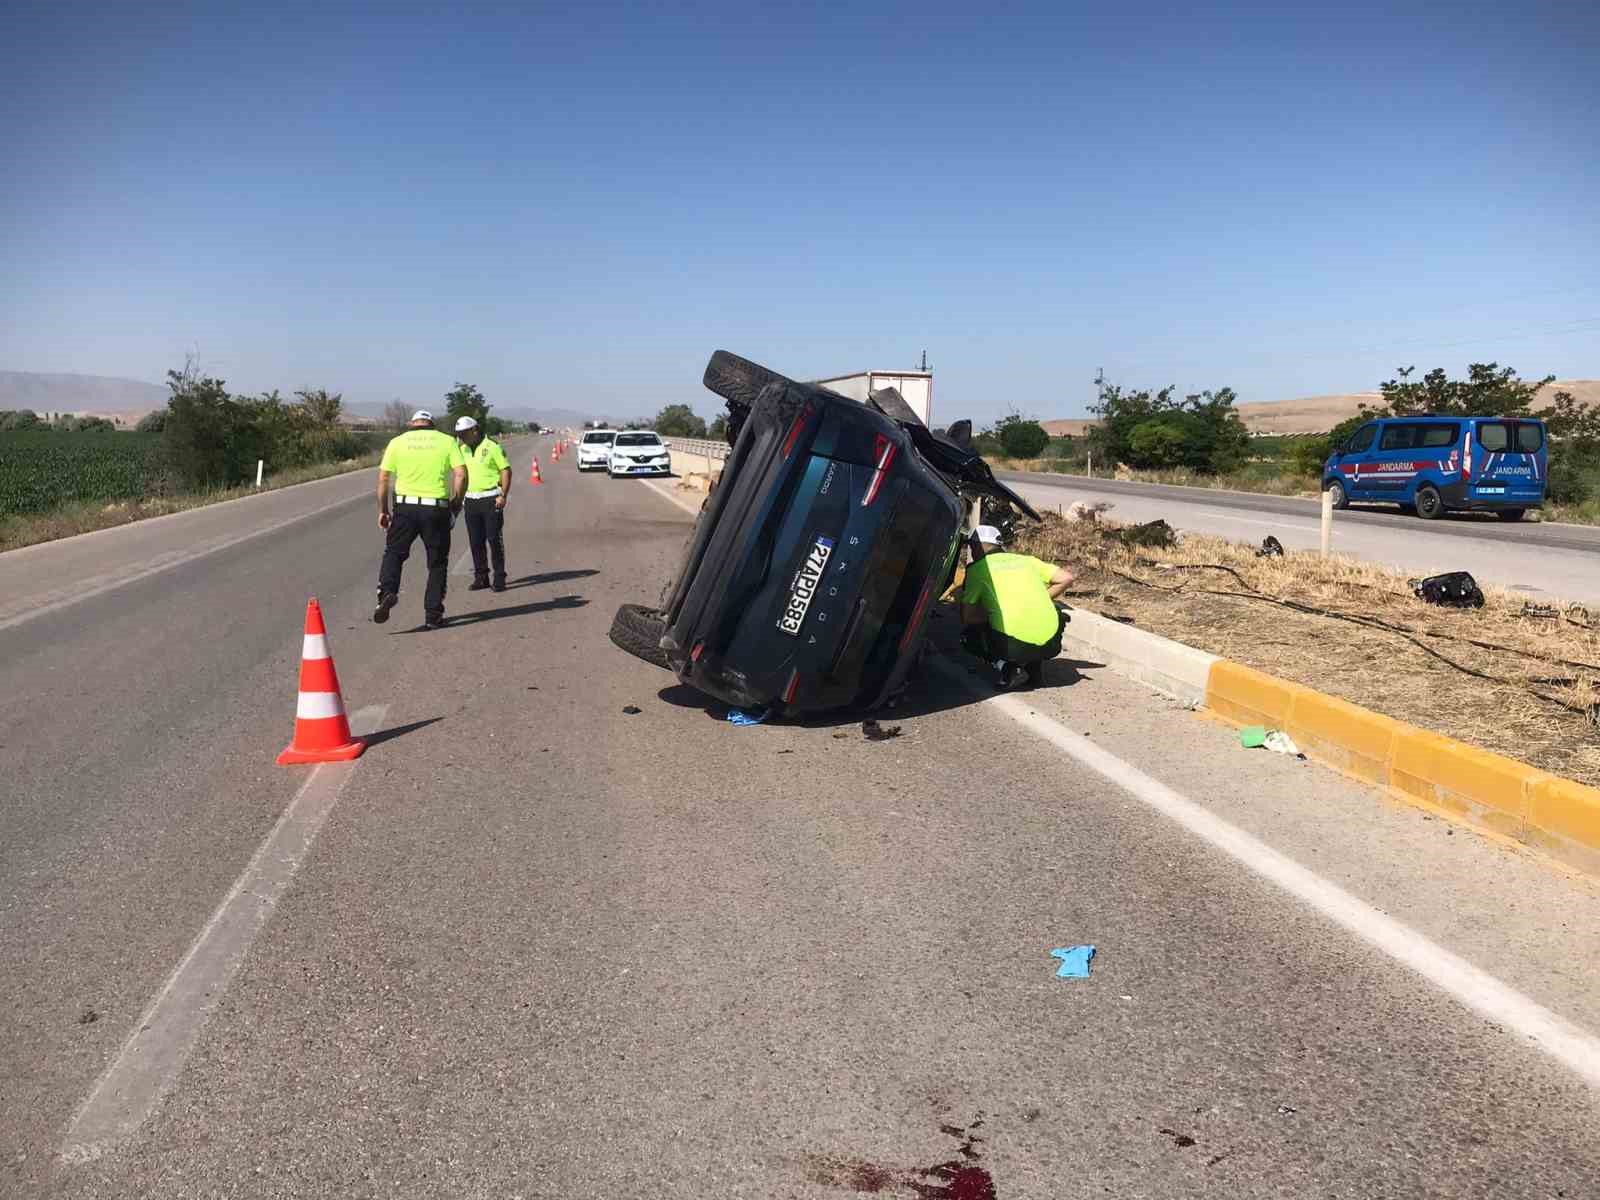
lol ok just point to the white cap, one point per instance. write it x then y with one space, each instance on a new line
988 535
465 423
422 414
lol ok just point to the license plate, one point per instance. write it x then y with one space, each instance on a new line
1491 491
804 586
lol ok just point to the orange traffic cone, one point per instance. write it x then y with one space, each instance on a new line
533 477
321 730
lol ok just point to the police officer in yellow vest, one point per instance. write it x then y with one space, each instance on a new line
488 486
429 475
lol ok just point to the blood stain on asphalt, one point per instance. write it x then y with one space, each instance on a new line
958 1179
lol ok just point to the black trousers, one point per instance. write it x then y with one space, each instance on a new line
408 523
486 526
988 643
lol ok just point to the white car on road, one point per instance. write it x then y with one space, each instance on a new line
639 452
594 451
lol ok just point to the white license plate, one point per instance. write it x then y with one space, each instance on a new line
805 586
1491 491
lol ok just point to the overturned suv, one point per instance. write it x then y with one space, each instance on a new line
834 529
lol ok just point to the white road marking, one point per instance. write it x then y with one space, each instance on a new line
1567 1043
683 502
461 567
147 1066
99 586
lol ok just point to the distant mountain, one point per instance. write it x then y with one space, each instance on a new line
81 395
1318 414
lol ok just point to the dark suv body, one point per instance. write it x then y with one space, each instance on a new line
834 529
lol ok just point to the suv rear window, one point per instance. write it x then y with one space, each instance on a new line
1494 436
592 439
638 439
1530 436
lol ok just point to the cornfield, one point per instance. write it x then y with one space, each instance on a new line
41 468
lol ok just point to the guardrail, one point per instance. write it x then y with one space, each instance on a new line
700 446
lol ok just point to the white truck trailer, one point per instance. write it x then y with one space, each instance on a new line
915 388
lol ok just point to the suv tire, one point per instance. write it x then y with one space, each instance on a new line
1341 499
638 630
1430 505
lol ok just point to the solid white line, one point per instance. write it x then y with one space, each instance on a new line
461 563
1570 1045
148 1064
683 502
89 589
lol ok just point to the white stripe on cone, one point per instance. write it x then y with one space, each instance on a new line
316 646
318 706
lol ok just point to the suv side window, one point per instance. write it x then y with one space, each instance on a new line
1361 439
1399 437
1439 435
1493 436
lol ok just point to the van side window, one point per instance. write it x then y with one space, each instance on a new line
1530 436
1439 435
1361 439
1398 437
1493 436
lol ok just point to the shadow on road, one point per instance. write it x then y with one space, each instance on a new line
394 731
551 577
494 614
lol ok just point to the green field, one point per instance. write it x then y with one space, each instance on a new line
41 469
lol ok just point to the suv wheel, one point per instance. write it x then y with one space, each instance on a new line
1336 490
638 630
1430 505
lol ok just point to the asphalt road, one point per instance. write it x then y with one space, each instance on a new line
547 947
1545 561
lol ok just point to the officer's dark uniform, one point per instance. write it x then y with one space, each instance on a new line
421 461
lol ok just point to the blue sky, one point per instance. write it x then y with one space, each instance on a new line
575 205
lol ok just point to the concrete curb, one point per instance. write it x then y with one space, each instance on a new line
1559 817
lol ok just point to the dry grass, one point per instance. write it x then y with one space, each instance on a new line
29 529
1536 705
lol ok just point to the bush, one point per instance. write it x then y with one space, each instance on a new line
1572 475
1202 431
152 422
1021 437
678 420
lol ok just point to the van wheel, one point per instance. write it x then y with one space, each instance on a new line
638 630
1336 490
1430 505
1511 514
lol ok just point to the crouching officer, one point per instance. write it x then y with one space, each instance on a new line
1008 606
488 486
429 475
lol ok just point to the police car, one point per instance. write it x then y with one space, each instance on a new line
1435 465
594 451
638 453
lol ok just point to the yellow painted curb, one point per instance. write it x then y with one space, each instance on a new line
1488 791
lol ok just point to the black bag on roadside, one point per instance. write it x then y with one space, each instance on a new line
1454 589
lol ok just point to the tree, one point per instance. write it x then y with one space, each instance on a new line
1159 443
322 409
395 414
679 420
718 429
1021 437
1212 438
465 400
22 418
152 422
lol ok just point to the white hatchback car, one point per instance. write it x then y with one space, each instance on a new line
639 452
594 450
